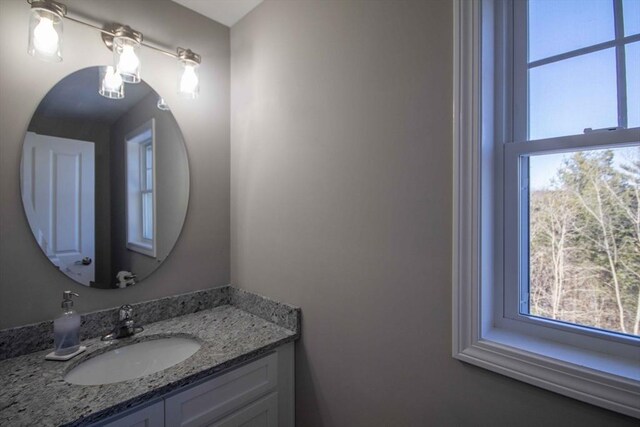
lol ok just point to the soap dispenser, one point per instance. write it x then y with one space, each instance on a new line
66 328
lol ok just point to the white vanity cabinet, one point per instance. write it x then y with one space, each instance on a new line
261 413
257 394
149 416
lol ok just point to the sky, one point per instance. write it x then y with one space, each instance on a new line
568 96
544 168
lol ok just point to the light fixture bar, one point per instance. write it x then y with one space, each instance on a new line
174 55
112 34
159 49
95 27
45 38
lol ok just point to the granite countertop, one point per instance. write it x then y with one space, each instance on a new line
33 391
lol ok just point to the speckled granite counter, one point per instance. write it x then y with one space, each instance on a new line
33 391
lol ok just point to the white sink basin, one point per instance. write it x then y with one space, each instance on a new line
132 361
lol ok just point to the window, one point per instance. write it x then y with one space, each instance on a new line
583 240
146 191
140 179
547 194
572 168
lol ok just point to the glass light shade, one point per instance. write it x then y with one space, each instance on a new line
162 104
111 84
45 35
188 79
126 60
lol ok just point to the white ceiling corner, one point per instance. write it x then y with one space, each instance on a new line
227 12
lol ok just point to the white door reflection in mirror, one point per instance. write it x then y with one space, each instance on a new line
58 179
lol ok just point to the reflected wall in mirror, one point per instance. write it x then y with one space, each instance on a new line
105 182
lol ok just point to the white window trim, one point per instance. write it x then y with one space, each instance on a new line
143 178
596 378
134 243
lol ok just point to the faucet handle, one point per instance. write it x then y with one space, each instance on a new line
125 313
125 326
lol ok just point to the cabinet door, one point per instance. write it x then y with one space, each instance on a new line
150 416
213 399
261 413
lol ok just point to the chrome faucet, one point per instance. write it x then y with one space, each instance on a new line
125 326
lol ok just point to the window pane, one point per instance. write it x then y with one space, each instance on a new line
149 180
149 156
633 83
147 216
568 96
631 12
585 237
562 26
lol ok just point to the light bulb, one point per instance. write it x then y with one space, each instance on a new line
189 80
111 83
129 61
45 37
112 80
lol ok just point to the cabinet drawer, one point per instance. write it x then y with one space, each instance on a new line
150 416
262 413
209 401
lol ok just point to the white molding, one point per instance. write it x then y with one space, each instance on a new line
466 142
607 391
503 352
136 243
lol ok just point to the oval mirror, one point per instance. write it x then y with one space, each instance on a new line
105 182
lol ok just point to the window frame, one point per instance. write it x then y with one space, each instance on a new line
517 149
516 256
522 66
135 143
480 336
146 188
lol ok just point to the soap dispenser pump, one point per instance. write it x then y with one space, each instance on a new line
66 328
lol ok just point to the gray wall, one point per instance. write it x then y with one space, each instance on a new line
171 190
341 173
30 287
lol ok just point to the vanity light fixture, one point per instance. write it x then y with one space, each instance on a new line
45 30
45 40
111 83
162 104
125 46
189 82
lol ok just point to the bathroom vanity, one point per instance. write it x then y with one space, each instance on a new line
259 393
242 374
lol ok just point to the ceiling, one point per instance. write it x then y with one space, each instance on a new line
76 98
227 12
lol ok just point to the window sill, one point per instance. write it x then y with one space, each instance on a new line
595 378
143 248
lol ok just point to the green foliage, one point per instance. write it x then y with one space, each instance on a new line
585 243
